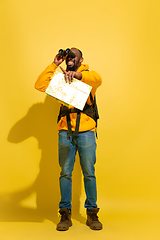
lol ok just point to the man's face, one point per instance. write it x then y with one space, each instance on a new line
73 63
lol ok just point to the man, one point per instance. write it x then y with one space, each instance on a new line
76 133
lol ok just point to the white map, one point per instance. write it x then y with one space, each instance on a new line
74 94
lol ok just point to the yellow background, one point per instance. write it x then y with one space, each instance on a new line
120 40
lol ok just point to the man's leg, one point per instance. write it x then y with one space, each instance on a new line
67 154
87 151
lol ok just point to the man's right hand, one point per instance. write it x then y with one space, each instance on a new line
58 59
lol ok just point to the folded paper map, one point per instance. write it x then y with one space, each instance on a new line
74 94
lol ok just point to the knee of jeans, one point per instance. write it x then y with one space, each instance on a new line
89 177
89 172
66 172
65 176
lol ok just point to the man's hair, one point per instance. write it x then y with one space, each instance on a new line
81 55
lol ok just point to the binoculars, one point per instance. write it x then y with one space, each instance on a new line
68 52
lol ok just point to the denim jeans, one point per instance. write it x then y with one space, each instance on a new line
86 147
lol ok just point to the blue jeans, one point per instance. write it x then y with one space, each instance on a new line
86 147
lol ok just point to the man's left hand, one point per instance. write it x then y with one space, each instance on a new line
69 75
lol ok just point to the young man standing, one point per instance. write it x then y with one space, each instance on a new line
76 131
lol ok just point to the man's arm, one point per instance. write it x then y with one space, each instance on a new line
91 78
46 76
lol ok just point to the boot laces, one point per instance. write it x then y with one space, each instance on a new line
94 216
64 216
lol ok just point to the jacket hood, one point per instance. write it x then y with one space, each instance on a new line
83 67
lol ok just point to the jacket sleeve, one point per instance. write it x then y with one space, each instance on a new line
91 78
45 77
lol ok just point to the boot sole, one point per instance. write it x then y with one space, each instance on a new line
64 229
93 228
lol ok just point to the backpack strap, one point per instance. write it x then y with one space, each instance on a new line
95 112
75 133
90 110
69 132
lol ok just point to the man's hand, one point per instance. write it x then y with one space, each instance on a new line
69 75
58 59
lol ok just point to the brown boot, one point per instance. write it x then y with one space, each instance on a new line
65 221
92 219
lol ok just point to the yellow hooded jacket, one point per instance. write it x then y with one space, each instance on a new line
89 77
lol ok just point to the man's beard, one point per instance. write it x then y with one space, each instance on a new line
74 67
71 68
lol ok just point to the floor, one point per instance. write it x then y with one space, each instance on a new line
126 222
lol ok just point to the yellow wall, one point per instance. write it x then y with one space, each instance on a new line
120 41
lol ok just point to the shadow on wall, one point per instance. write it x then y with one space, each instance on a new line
40 122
